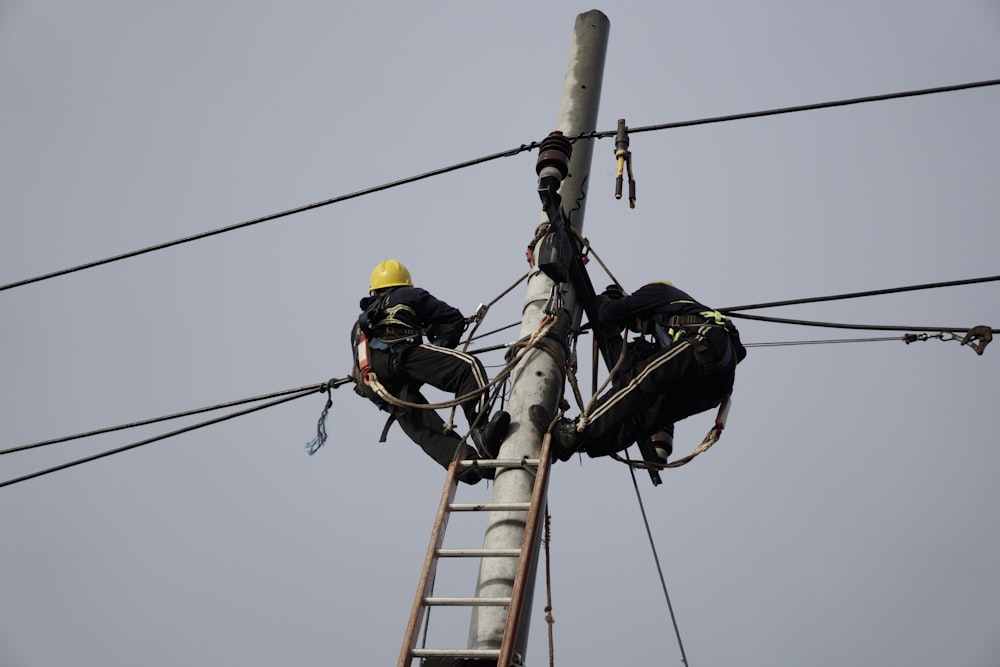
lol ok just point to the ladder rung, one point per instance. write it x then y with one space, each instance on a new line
455 653
478 553
489 507
467 602
499 463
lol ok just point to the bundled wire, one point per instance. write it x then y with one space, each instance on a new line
285 397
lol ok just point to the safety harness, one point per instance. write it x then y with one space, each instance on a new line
668 329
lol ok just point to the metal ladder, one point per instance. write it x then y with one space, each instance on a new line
465 657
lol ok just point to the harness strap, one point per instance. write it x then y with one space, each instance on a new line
364 356
385 429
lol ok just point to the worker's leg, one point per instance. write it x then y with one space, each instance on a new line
449 370
427 429
423 426
635 409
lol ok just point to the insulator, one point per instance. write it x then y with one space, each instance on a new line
555 151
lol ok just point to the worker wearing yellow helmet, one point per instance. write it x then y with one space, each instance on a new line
407 338
682 363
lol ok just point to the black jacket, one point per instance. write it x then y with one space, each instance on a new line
655 304
648 300
409 313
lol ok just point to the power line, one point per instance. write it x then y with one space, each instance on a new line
118 450
855 295
177 415
266 218
802 107
507 153
732 311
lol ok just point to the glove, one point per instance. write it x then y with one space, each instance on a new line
613 292
444 336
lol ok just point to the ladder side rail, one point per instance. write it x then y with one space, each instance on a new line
426 585
538 503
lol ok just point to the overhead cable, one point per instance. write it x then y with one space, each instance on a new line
507 153
266 218
301 394
795 109
855 295
155 420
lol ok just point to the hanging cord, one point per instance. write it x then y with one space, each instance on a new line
313 445
659 568
301 394
549 619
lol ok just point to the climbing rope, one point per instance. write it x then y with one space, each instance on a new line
478 318
544 326
710 439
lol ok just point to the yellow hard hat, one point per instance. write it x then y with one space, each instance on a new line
389 273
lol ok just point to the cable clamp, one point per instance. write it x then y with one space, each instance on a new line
624 157
982 335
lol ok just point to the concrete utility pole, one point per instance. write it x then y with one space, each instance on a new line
539 378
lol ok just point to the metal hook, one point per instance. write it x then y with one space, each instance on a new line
983 333
555 301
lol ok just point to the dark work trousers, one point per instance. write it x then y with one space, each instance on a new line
403 372
660 390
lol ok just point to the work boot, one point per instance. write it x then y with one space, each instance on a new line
470 476
566 440
473 475
539 417
489 438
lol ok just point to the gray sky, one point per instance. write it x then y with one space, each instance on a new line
848 515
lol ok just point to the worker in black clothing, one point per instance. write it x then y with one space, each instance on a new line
683 363
388 340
